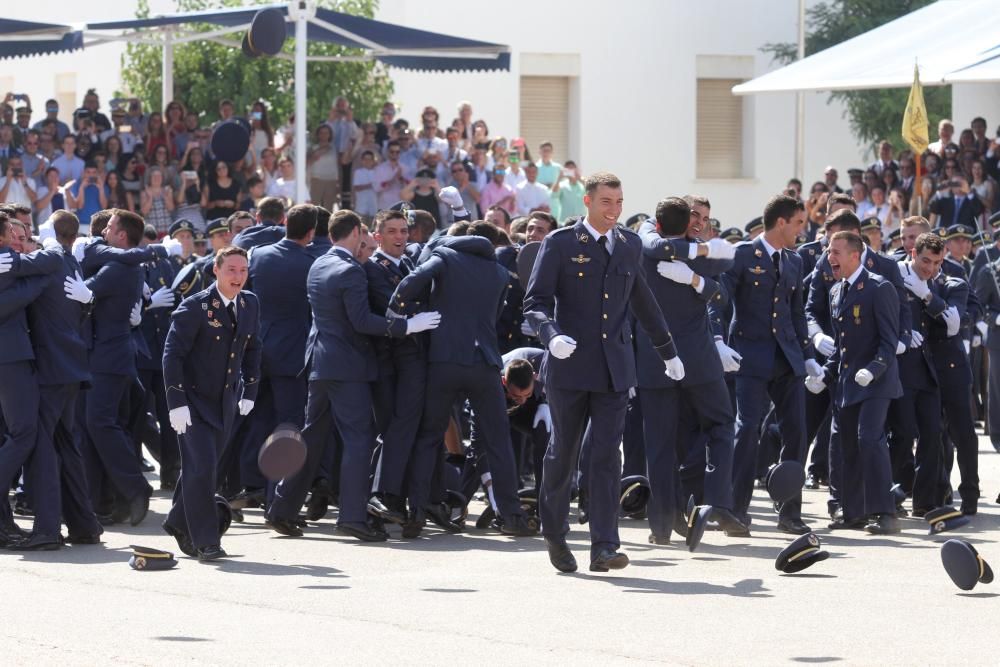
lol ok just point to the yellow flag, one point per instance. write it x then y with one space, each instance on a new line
915 117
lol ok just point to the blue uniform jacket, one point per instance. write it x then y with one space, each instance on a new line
384 275
509 334
319 246
207 365
685 311
19 287
263 233
278 273
951 363
865 321
117 287
467 287
576 291
339 346
155 322
57 323
767 312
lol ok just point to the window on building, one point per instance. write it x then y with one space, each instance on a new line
545 113
719 118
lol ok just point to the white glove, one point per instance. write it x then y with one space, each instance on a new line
135 317
6 262
952 320
997 321
730 358
983 329
977 340
77 290
916 339
916 286
824 344
146 292
543 416
815 385
562 346
526 329
78 247
245 406
967 346
675 369
172 246
180 419
720 249
813 369
864 377
451 196
49 243
162 298
423 322
679 272
900 348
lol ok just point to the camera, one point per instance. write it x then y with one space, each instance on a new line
17 172
256 115
190 175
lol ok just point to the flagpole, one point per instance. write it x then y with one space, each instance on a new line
918 188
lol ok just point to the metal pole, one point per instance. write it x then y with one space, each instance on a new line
301 23
800 102
167 76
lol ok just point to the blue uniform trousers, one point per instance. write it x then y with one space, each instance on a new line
399 402
56 470
866 474
112 454
19 403
916 417
193 511
571 411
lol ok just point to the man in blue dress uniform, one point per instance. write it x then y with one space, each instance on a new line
864 311
269 228
211 369
586 281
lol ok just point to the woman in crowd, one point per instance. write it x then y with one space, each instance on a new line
113 150
156 134
323 169
118 197
157 200
261 134
221 194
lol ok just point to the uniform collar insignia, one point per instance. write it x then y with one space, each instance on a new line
204 306
758 252
216 303
583 237
812 251
210 313
870 263
243 302
579 259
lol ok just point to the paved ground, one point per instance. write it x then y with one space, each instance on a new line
482 597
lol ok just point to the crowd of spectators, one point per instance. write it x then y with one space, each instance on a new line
957 183
161 165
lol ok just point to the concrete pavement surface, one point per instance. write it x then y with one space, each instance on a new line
480 597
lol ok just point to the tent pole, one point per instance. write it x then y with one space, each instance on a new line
800 102
301 23
167 76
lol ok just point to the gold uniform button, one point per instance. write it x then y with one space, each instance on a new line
217 338
776 299
580 274
604 335
774 314
232 355
230 370
755 283
951 365
605 316
605 295
774 330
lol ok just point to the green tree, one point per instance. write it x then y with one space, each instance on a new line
205 72
874 114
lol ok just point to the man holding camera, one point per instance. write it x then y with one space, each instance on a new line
15 187
955 204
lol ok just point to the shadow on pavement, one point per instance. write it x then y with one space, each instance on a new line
746 588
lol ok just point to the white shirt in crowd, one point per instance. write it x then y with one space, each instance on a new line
531 196
365 201
286 190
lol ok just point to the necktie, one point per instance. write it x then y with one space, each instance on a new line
958 208
405 265
603 242
231 309
776 258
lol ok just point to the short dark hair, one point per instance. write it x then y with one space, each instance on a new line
422 221
132 223
519 373
488 231
780 206
605 178
504 212
322 222
854 241
845 219
342 223
253 181
385 215
100 220
299 221
4 223
460 228
547 217
66 226
271 209
228 251
929 241
673 215
841 198
238 215
149 232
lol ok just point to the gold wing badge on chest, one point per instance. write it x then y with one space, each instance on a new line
757 270
580 259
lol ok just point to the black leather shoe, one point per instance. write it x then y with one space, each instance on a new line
486 519
840 523
183 541
680 524
970 507
559 555
120 513
138 507
168 484
659 540
83 539
918 513
414 525
882 524
609 560
318 505
517 526
361 531
729 523
15 530
147 465
378 508
283 527
211 552
38 542
440 515
247 499
812 482
793 526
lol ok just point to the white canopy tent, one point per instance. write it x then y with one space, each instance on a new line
951 40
